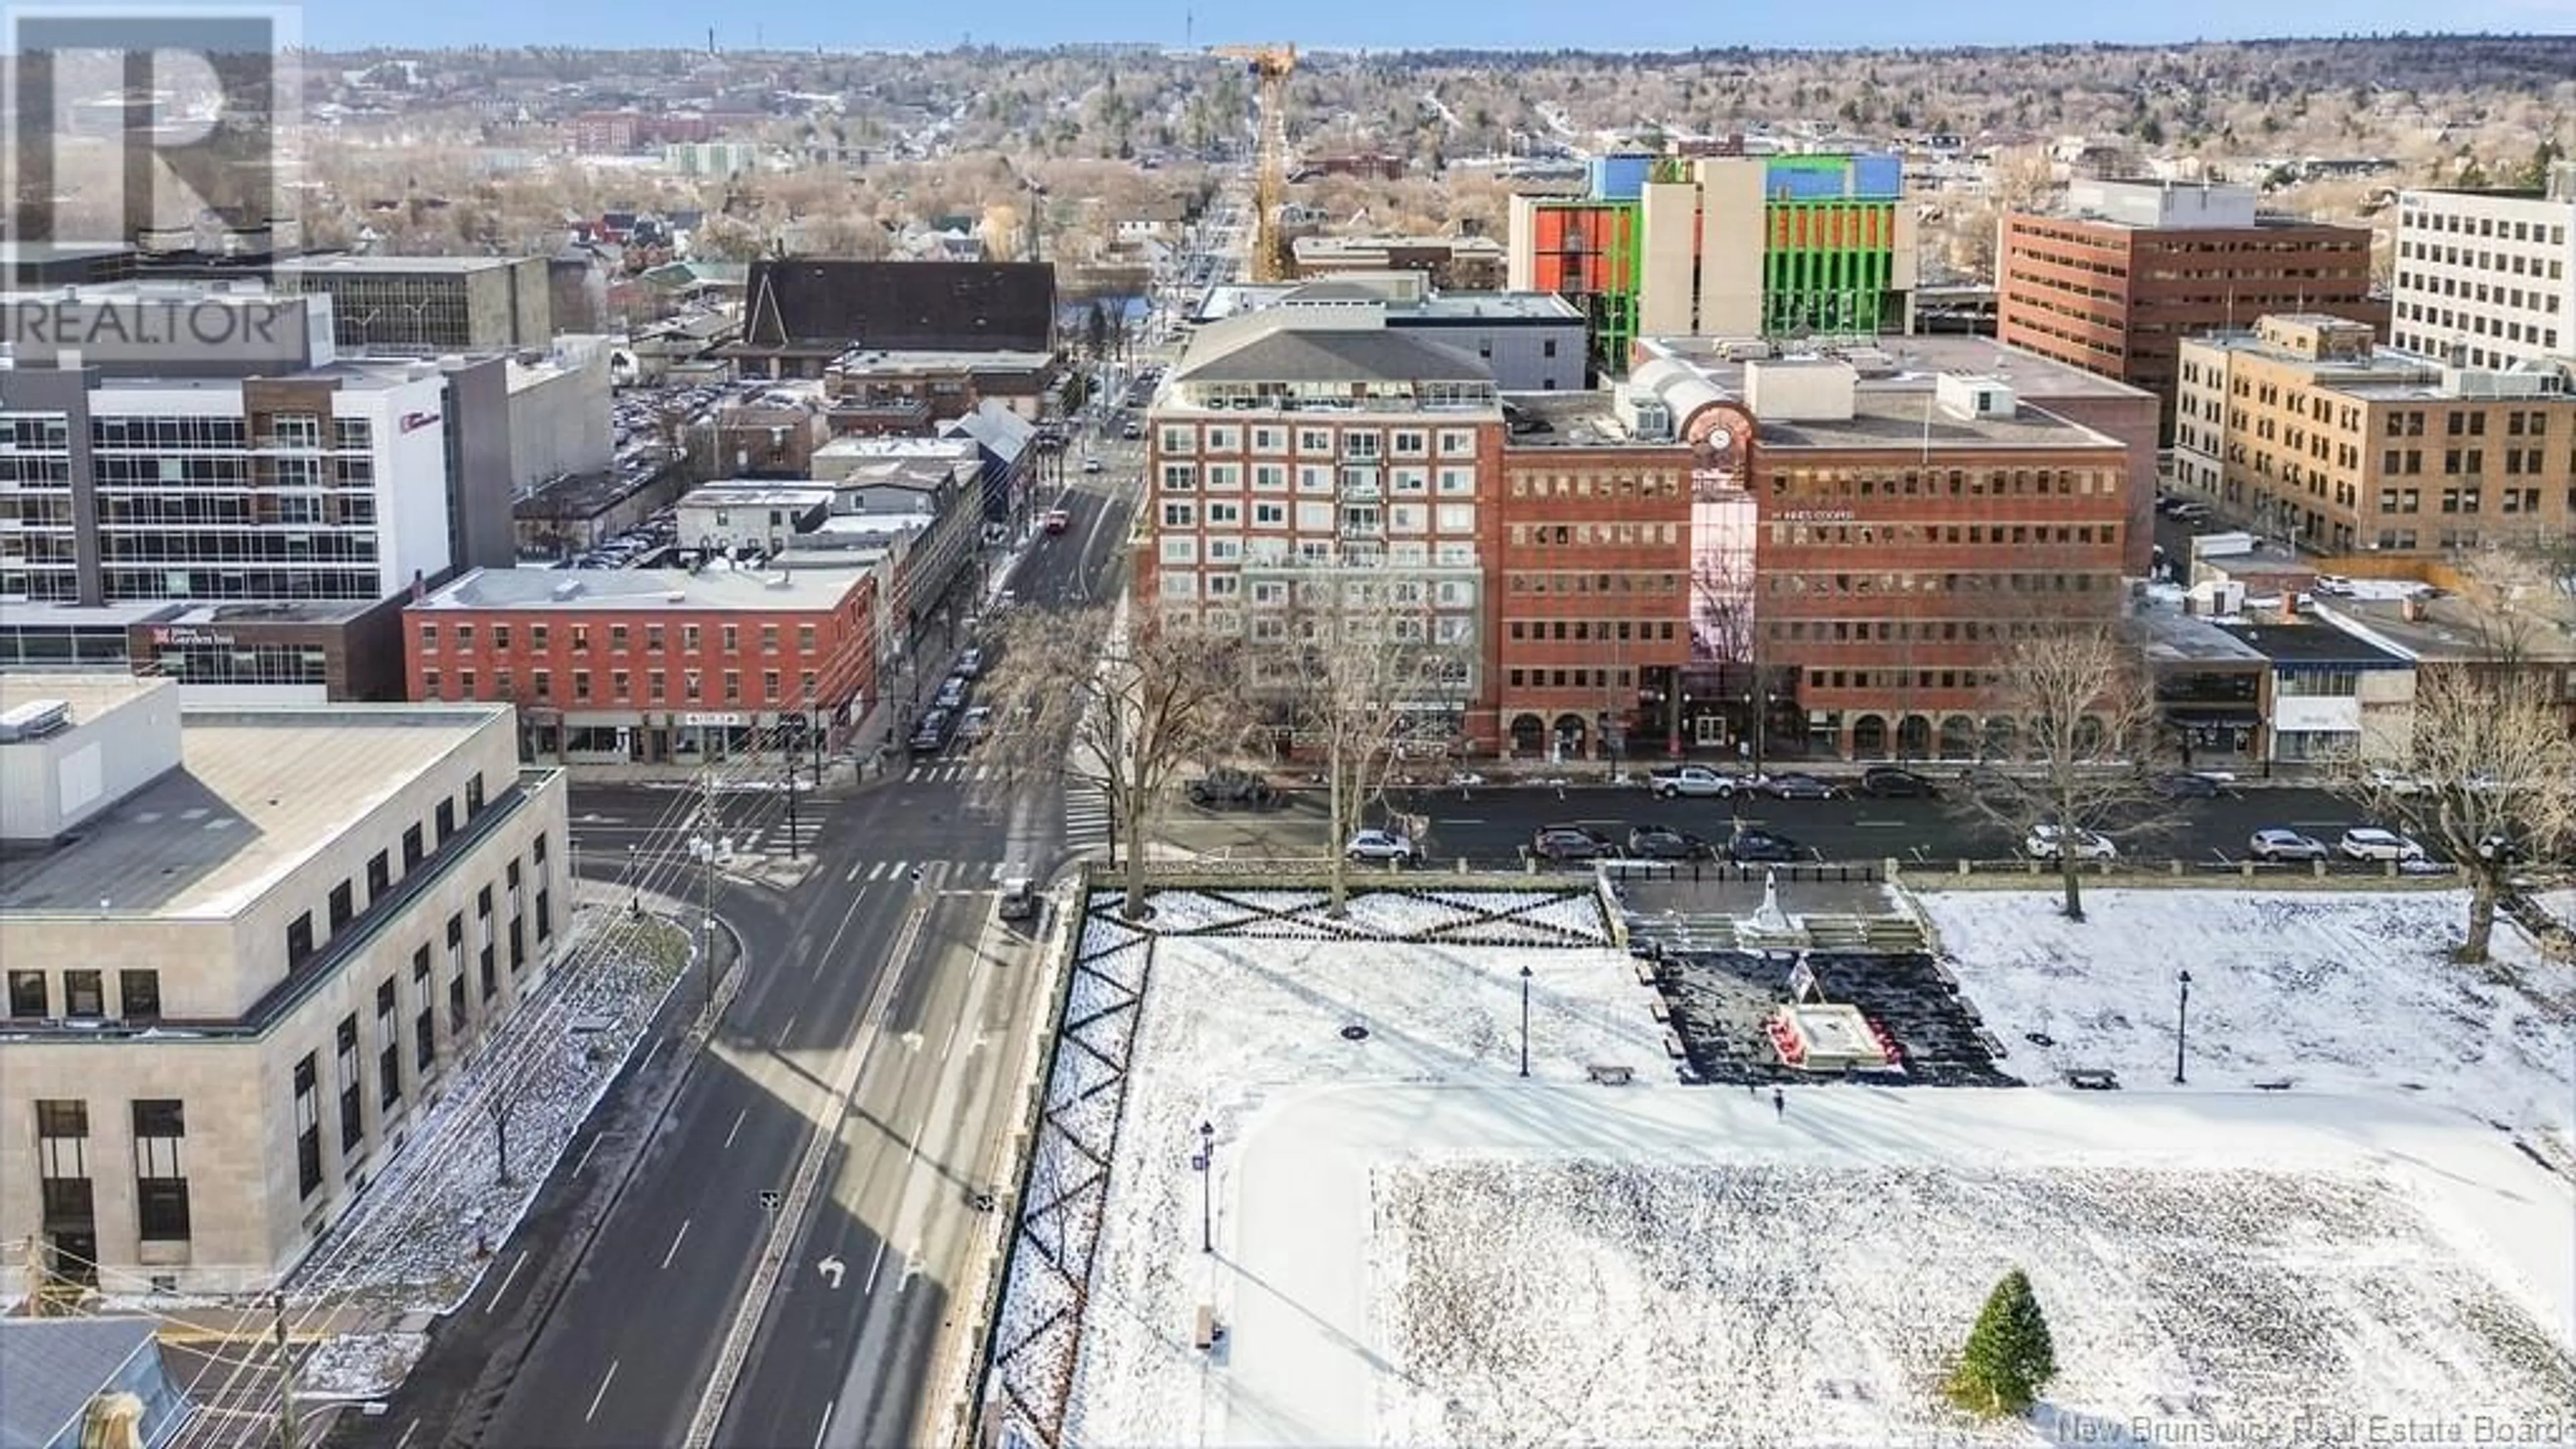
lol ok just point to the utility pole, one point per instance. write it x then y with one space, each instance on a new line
791 807
286 1425
707 921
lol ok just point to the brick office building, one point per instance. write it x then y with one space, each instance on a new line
1591 588
2115 285
1864 550
652 666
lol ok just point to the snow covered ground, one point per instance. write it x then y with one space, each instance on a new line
352 1366
2333 991
1413 1246
410 1242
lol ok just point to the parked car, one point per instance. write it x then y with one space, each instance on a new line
2183 785
1799 787
1380 847
1887 782
2395 782
1091 465
1226 785
1699 782
975 723
2282 844
1762 845
970 664
952 693
2052 842
1058 520
1662 842
1570 844
934 731
2369 842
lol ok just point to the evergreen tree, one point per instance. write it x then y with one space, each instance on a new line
2009 1356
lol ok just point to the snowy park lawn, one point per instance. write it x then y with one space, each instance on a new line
1415 1247
2332 991
1823 1303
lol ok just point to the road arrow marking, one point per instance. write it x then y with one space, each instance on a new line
912 1041
832 1269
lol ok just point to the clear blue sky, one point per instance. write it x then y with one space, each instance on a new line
1374 24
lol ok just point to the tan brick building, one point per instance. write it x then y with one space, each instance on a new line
243 949
2305 430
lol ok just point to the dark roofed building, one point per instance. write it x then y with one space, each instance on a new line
799 314
60 1376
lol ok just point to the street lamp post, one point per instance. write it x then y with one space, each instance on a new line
1206 1164
2182 1021
791 807
1525 998
635 900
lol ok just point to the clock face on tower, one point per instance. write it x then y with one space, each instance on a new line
1717 442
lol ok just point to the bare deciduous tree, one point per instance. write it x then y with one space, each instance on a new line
1363 681
1115 697
2491 780
2085 727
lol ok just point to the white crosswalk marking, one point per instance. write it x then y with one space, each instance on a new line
1086 817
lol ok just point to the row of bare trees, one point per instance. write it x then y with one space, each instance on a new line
1129 700
2486 777
1126 699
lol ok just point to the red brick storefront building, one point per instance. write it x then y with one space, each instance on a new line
654 666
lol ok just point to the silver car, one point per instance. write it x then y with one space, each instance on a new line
2279 844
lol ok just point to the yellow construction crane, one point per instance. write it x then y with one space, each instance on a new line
1270 65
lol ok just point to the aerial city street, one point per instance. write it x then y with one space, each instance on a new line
802 739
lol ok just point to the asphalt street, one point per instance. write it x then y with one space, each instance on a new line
627 1352
1488 825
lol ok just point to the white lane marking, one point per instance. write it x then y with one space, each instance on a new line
737 1125
605 1380
853 875
506 1280
789 1029
408 1430
585 1157
819 1430
874 1267
675 1243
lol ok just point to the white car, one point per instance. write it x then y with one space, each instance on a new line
2369 842
2286 845
1382 847
2050 842
2395 782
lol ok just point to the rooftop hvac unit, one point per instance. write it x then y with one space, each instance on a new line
34 720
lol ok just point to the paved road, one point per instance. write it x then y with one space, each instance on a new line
1489 825
873 1278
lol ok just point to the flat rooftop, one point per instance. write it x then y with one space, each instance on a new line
756 495
927 360
1907 418
676 591
2452 628
89 695
1913 364
396 266
1574 420
258 792
2312 644
2174 637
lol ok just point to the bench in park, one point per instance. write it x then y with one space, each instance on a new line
2276 1084
1673 1046
1662 1009
1609 1076
2093 1079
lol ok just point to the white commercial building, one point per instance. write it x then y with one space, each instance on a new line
2488 278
